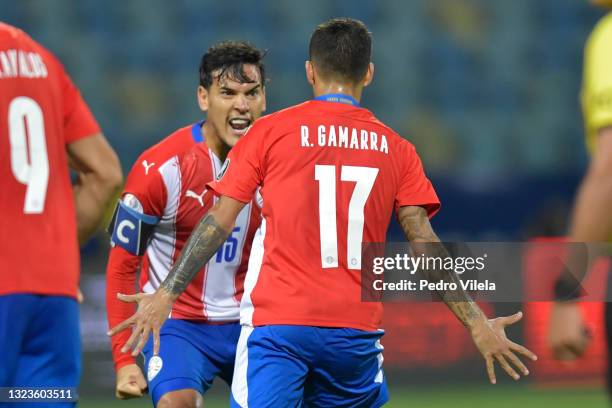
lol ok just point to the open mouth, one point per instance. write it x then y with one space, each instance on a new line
239 125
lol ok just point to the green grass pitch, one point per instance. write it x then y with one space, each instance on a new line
500 396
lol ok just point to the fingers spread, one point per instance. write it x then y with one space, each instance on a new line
130 343
523 350
121 326
143 340
129 298
508 320
155 341
504 364
517 362
490 369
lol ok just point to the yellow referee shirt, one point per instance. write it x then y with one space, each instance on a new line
597 81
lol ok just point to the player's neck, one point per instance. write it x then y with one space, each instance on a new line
324 88
214 142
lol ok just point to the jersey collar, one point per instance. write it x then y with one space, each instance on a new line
196 132
337 97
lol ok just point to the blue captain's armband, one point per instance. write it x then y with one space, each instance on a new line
130 228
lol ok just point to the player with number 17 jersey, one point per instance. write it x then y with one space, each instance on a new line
346 173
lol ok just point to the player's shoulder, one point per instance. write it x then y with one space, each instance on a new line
393 137
602 33
153 158
9 33
175 144
12 37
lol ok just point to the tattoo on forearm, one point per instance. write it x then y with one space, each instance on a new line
416 226
204 241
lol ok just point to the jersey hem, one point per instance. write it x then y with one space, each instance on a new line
204 320
70 294
314 323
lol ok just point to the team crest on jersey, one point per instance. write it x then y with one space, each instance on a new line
133 202
155 366
223 169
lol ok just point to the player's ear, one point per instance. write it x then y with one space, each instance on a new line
203 98
309 72
367 80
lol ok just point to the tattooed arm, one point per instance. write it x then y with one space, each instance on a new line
423 240
153 309
205 240
488 335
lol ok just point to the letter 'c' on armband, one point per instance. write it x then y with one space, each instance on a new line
130 228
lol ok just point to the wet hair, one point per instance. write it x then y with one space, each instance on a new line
341 49
227 59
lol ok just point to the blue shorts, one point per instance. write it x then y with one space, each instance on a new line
303 366
40 343
191 355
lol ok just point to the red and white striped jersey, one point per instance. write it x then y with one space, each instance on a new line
180 184
172 195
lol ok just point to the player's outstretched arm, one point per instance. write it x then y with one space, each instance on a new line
153 309
99 178
488 334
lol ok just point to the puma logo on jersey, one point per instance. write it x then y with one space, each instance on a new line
147 166
199 197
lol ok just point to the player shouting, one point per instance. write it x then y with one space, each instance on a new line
331 175
45 128
164 198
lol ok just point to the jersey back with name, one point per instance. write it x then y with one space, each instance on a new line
330 175
41 111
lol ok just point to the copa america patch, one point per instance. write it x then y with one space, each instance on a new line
155 366
226 164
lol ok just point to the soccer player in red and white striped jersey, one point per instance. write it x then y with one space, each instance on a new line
164 198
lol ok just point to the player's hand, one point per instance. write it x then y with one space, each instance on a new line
152 312
490 338
130 382
567 335
80 297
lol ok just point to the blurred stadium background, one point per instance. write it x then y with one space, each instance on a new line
487 90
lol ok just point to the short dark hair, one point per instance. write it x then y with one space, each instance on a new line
228 58
341 48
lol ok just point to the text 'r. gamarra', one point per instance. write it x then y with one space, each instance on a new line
342 136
